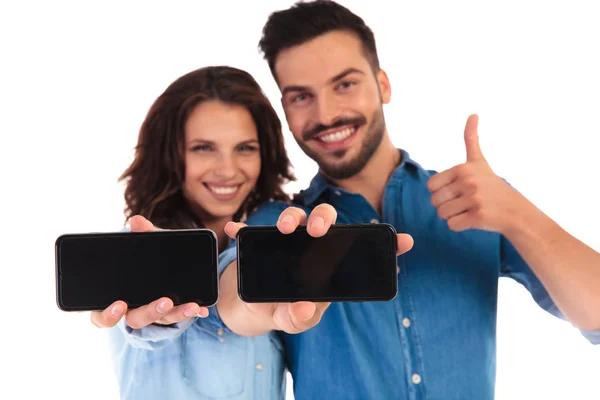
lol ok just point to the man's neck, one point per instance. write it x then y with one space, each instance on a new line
372 180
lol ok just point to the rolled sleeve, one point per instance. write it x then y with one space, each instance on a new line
267 214
227 257
592 336
153 336
515 267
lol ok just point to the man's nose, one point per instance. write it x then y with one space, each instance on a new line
327 109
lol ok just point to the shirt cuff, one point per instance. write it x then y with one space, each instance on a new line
153 336
592 336
225 258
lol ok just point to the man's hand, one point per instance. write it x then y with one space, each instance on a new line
300 316
471 195
160 311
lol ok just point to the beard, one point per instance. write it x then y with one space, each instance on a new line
344 169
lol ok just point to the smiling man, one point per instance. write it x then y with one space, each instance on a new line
341 145
437 338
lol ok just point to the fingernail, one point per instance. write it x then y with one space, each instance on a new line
203 313
162 307
190 312
288 219
117 310
318 222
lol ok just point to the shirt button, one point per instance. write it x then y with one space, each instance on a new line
221 339
220 332
416 379
398 269
338 193
374 221
259 367
406 322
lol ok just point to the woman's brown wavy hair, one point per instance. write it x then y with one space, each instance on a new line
154 180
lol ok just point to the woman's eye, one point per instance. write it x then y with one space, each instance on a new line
247 147
201 147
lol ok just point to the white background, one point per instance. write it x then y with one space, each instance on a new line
77 78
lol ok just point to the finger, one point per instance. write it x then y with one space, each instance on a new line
282 316
320 219
461 222
110 316
290 218
141 224
455 207
149 313
445 194
301 312
405 243
232 228
474 152
441 179
183 312
304 315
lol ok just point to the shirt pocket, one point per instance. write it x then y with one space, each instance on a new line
215 363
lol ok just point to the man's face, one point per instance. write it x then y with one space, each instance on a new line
333 102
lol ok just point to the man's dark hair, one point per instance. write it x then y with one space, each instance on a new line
305 21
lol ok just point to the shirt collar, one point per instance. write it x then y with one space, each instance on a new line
319 184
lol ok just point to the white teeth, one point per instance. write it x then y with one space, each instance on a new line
337 136
223 189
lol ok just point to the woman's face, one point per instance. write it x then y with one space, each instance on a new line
222 159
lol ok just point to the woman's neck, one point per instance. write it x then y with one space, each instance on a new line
217 225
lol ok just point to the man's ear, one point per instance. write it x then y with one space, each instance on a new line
385 89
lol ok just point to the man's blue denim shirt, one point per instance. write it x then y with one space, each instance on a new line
437 338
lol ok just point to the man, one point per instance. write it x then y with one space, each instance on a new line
436 339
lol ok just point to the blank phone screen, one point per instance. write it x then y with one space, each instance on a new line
95 270
349 263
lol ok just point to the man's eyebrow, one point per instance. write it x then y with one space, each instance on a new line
341 75
344 73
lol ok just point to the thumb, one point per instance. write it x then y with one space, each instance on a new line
141 224
474 152
302 311
232 229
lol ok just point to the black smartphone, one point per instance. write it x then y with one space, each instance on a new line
93 270
352 262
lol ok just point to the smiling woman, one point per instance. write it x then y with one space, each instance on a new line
222 158
209 151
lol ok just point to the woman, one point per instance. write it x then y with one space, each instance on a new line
209 151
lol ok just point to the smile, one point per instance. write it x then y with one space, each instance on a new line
223 190
337 136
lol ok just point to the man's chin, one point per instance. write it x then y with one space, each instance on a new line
340 170
339 156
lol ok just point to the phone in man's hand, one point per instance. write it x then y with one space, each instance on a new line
93 270
352 262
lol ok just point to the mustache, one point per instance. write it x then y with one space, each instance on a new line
314 131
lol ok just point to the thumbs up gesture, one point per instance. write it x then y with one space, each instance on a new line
471 195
